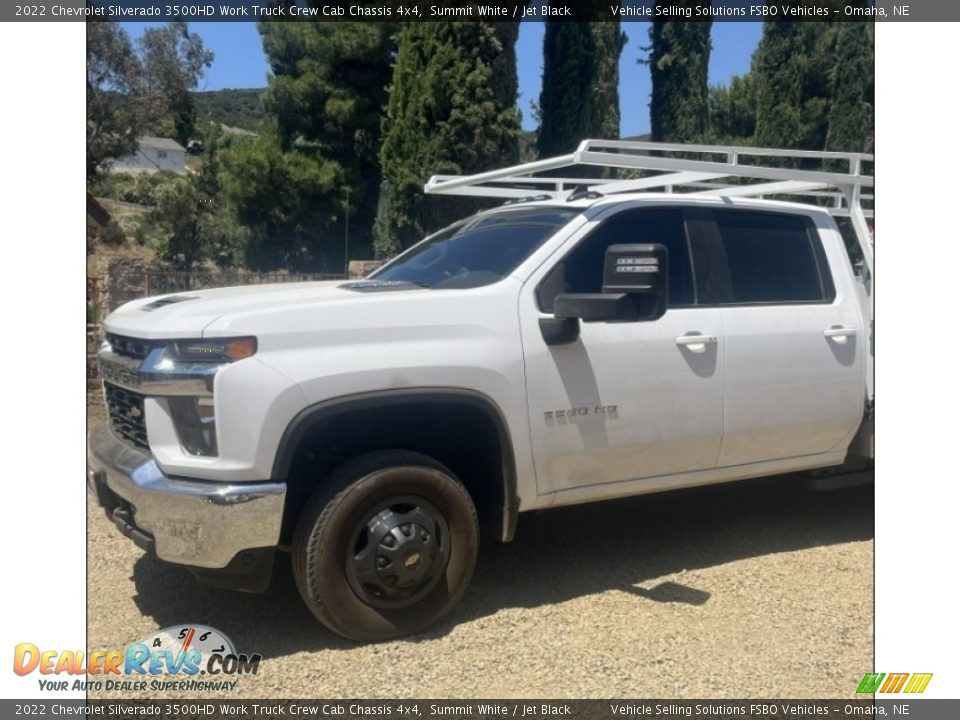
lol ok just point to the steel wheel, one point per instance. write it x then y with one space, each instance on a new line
386 546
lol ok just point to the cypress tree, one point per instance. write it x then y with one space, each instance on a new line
579 97
605 94
733 111
565 101
503 66
451 110
850 121
679 60
792 67
811 86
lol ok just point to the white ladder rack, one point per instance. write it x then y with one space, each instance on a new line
705 170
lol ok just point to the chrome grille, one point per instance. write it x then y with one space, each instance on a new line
125 410
130 347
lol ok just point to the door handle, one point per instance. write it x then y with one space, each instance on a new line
695 343
839 334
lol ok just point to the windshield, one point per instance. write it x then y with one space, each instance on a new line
478 251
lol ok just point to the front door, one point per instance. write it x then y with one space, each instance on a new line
631 400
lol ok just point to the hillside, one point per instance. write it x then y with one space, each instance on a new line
237 108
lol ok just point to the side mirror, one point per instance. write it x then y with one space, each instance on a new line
635 269
634 288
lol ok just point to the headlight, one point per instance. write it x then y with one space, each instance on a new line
193 416
213 350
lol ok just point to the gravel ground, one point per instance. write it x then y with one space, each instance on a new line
754 590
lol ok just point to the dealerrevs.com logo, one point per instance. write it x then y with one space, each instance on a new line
183 657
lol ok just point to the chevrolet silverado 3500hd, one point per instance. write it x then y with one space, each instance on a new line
592 341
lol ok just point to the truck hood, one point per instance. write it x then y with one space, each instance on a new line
189 313
269 309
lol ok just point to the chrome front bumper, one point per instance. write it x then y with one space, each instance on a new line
197 523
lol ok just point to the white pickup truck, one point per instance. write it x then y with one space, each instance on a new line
593 341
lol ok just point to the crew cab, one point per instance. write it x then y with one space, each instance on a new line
574 346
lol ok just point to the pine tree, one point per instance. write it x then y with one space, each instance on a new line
679 60
452 110
579 97
325 100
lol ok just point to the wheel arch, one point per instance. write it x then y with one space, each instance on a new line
418 419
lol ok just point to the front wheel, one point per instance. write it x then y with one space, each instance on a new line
386 546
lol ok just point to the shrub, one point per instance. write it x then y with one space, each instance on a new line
113 234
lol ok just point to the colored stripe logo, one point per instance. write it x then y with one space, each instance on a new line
894 683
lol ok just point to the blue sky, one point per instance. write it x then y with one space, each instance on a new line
239 62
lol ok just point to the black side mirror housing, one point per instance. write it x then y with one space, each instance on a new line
596 307
634 287
635 269
559 331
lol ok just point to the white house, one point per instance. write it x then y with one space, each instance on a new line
153 155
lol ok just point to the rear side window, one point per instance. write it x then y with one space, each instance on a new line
772 258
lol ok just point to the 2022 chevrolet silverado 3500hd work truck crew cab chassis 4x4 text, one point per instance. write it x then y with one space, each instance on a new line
590 342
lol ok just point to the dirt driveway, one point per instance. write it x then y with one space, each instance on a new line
754 590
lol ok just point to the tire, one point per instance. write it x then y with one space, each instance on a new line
386 546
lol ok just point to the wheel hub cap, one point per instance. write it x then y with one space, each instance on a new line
398 552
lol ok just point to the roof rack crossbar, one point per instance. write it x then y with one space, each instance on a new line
649 145
674 172
780 187
657 181
454 182
649 162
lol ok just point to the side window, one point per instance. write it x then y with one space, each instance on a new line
851 244
581 271
771 257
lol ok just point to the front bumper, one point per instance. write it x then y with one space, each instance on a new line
208 526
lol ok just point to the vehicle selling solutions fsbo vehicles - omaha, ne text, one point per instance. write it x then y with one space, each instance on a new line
587 340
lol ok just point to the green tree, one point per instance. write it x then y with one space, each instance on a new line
223 238
679 59
732 111
284 198
579 96
174 59
850 120
792 66
191 221
605 93
329 88
116 113
566 105
452 110
178 218
130 92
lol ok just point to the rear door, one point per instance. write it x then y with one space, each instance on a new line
794 382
